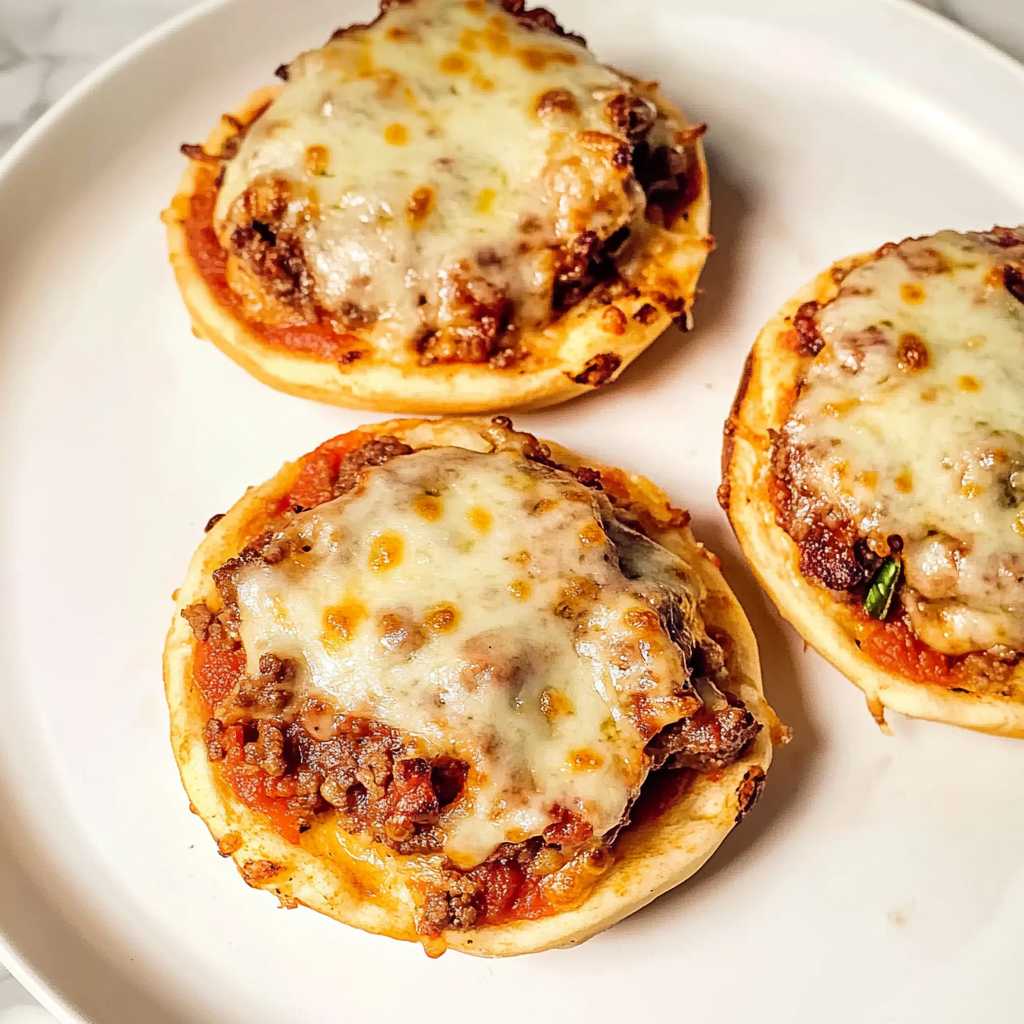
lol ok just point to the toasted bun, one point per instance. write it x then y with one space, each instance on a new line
652 855
577 353
766 393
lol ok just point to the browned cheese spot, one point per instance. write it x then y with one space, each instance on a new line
585 760
317 159
556 101
429 507
912 294
396 134
904 481
613 320
576 597
341 622
592 534
644 620
395 633
912 354
519 589
485 200
868 478
537 58
554 704
993 278
385 552
616 152
455 64
442 618
969 383
480 519
397 34
419 205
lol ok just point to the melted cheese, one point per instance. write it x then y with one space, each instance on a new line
913 415
476 603
419 148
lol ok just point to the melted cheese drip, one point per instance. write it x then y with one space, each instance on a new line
475 602
428 152
914 416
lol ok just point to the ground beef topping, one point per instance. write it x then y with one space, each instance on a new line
299 758
905 441
446 237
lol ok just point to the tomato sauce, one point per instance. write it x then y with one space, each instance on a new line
894 646
319 339
216 668
251 784
218 664
314 483
511 891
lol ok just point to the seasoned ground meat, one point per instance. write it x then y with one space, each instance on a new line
712 738
265 242
213 733
668 184
806 329
631 114
473 317
370 779
831 550
373 453
199 618
539 17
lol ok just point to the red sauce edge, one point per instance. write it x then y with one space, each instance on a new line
210 259
894 646
510 892
215 669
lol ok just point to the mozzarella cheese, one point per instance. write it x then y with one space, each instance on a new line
913 418
446 140
495 611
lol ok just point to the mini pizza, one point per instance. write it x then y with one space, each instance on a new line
874 473
440 681
455 208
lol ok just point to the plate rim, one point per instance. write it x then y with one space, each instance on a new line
12 958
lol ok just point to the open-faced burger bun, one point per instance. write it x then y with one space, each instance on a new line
507 225
601 829
872 473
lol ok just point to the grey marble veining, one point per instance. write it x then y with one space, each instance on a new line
46 46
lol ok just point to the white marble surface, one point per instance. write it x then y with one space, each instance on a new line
46 46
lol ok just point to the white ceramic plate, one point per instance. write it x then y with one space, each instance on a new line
880 878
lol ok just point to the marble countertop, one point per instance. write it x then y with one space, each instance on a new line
46 46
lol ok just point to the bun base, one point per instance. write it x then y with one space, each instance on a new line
762 404
652 855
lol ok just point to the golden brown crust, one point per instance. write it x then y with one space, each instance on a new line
561 357
762 404
651 856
